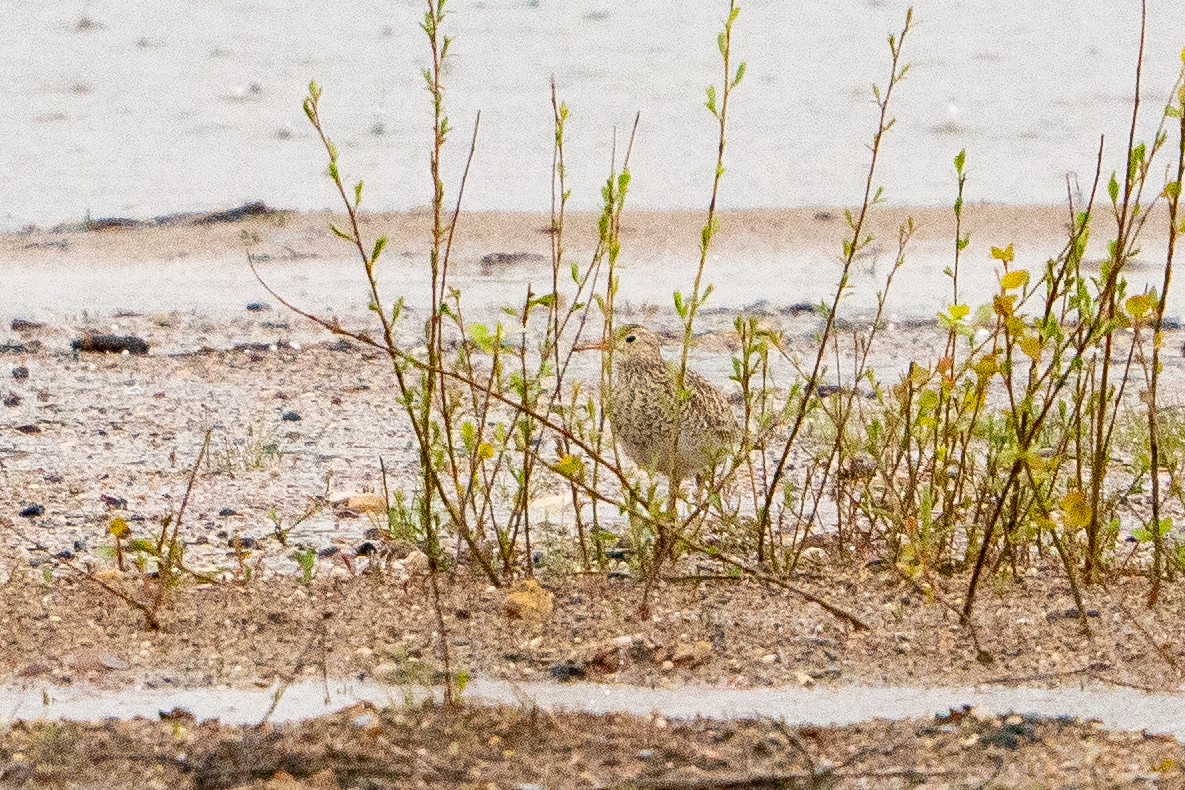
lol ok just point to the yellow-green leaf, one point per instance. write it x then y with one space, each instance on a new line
1076 510
1139 305
1031 345
1004 304
119 527
570 467
1016 279
959 312
1005 254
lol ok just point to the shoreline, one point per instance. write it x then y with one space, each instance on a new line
780 258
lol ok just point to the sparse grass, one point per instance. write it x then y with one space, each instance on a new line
1030 434
989 456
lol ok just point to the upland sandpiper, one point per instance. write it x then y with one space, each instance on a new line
660 434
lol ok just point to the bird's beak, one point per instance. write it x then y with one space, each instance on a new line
601 346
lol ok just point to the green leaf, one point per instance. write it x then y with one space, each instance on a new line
740 75
1113 188
379 244
341 234
960 160
357 194
711 102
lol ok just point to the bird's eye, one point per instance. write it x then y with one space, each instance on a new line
629 338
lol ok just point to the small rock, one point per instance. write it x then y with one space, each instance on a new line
693 655
25 325
33 511
769 658
28 429
290 416
804 680
12 400
415 563
364 503
241 542
528 601
92 660
258 307
365 549
566 671
328 551
116 502
113 662
227 512
110 344
20 372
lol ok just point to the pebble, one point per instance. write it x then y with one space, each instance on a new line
290 416
527 600
33 511
566 671
12 400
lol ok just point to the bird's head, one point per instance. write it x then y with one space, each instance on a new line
632 341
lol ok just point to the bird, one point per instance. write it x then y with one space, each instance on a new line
656 431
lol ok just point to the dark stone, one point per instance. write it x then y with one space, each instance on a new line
119 503
494 260
33 511
290 416
227 511
258 307
65 554
365 549
256 208
11 399
112 223
566 671
618 553
328 551
110 344
25 325
242 541
537 558
28 429
262 346
20 372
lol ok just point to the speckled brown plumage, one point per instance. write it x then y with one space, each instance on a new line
641 405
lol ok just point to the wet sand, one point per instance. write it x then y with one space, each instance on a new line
772 258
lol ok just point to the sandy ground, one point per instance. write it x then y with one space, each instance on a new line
484 748
88 438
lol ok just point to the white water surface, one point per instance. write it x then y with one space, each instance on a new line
1115 708
138 108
